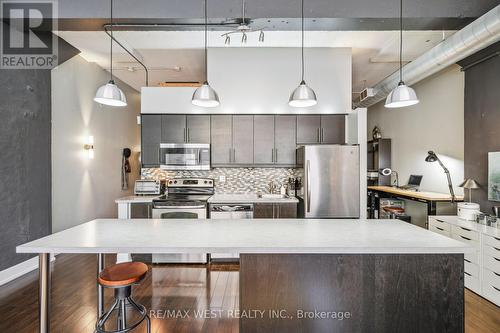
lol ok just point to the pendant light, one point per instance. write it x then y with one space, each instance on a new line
303 95
402 95
110 94
205 96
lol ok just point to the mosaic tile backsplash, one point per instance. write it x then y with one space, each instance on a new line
237 180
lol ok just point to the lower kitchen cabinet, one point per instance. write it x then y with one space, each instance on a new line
141 210
274 210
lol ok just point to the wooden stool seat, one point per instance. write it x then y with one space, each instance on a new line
394 210
123 274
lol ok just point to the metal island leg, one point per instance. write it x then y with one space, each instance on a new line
44 292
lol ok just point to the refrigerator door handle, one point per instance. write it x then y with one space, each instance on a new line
308 186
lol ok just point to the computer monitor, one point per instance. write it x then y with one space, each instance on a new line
415 180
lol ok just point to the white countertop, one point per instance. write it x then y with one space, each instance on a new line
247 198
245 236
137 199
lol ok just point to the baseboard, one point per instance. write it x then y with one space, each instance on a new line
20 269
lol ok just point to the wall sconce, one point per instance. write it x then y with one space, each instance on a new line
89 147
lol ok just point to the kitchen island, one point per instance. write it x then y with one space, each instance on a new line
302 275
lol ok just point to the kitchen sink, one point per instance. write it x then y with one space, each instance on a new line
274 196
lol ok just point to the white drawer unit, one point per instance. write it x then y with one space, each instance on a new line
491 286
482 267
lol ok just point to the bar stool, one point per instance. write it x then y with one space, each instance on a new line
121 277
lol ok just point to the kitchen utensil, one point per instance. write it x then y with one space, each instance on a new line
496 210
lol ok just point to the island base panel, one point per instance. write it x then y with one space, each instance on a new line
351 293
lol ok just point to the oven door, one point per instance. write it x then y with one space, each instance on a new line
184 156
176 212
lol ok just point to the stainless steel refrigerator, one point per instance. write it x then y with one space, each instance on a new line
330 185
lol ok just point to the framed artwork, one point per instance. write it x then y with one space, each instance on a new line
494 176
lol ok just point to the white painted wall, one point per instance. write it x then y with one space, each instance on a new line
260 80
84 189
436 123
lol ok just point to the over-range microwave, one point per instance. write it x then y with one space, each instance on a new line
184 156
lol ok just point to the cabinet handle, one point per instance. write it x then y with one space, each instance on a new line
276 155
439 220
322 134
498 239
467 260
465 237
496 248
496 273
308 186
188 135
465 229
230 158
318 135
234 155
439 228
272 155
467 274
496 288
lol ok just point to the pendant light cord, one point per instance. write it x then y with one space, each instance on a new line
111 41
302 40
401 41
206 28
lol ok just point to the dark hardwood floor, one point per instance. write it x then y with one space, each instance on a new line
166 287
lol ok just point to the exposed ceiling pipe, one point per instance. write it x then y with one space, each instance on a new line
476 36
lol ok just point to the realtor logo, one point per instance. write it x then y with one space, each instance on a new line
27 41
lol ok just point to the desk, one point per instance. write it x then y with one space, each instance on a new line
332 265
431 199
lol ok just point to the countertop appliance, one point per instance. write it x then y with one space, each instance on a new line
184 156
467 210
147 187
229 211
331 181
186 198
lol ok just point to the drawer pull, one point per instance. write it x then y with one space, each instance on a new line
440 228
439 220
498 239
469 275
496 288
496 259
496 273
465 229
468 261
496 248
467 238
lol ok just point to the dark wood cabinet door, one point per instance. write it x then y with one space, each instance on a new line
333 129
263 146
286 210
242 139
263 210
198 128
150 139
221 139
173 128
285 136
308 129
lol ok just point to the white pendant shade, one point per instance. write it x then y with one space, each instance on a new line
110 94
302 96
205 96
401 96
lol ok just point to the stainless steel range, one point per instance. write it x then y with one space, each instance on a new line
186 198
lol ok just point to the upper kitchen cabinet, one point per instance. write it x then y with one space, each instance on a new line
308 129
242 139
173 128
198 128
285 135
324 129
221 139
333 129
263 148
150 139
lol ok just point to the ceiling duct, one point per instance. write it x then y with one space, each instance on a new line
479 34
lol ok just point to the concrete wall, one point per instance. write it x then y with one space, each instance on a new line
482 121
82 188
260 81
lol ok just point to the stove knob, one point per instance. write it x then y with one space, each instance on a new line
170 182
175 181
206 182
210 182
